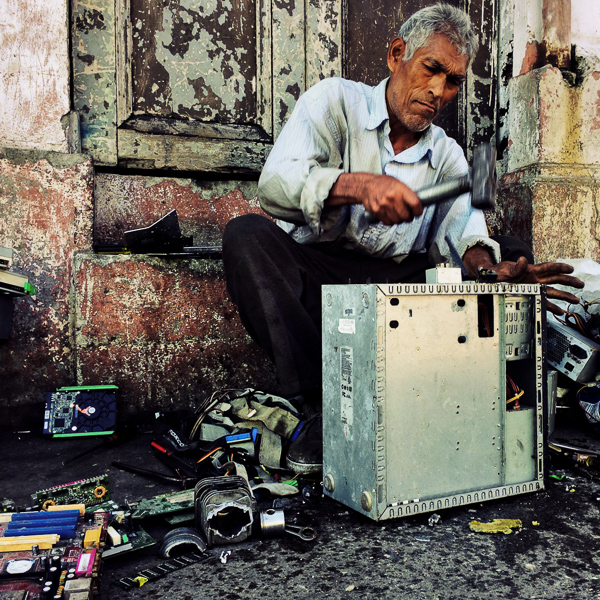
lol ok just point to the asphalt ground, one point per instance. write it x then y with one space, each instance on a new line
553 555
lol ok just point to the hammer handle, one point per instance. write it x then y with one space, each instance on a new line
444 190
438 192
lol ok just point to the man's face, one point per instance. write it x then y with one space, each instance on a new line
420 88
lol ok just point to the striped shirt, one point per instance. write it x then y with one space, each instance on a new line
341 126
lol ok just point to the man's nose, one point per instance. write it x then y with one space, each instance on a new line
437 85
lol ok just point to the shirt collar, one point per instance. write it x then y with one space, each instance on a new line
379 115
379 112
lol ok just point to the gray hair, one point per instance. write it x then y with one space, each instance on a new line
442 18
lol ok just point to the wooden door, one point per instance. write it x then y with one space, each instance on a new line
206 85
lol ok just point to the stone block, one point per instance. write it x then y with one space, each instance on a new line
554 208
203 207
552 121
163 330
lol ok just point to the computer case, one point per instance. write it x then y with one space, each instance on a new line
415 378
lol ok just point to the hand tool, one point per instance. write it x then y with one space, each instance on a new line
480 181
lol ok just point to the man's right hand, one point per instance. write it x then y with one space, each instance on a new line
385 198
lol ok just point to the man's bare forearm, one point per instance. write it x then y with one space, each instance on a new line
384 197
350 188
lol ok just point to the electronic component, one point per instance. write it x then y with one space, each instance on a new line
414 413
224 509
443 273
90 492
571 353
39 572
160 570
78 411
131 540
16 284
6 258
62 523
164 504
85 563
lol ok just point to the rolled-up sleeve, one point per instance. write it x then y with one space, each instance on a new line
304 164
460 227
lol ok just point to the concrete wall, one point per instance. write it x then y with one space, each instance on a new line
163 330
549 192
34 74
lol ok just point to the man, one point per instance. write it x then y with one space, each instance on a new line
349 149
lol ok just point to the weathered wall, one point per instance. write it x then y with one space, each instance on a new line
551 133
164 330
46 208
34 74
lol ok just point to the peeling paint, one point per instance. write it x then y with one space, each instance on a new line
191 61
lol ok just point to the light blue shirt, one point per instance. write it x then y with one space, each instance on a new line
341 126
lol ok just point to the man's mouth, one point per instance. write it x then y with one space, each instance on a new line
427 107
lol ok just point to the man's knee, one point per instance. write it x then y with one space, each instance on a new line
243 228
244 233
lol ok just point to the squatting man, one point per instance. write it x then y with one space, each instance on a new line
348 149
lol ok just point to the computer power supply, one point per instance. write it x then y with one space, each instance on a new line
415 379
571 353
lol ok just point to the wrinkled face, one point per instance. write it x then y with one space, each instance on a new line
421 87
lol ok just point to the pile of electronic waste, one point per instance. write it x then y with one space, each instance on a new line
226 458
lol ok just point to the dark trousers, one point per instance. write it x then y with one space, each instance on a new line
276 284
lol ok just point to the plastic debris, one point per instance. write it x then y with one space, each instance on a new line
496 526
282 503
434 519
224 556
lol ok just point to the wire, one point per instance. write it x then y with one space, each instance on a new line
515 398
485 318
206 406
208 454
517 393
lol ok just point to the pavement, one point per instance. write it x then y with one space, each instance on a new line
553 555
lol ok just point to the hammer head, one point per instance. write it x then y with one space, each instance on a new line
483 177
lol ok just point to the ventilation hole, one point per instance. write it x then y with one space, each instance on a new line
394 324
462 339
394 301
461 302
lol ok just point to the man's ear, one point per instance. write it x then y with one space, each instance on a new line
396 52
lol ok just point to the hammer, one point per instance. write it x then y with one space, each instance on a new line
481 182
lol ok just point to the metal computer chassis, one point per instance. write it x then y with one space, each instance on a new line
415 417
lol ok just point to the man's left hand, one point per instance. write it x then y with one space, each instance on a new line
522 272
545 273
